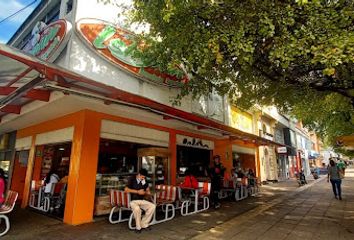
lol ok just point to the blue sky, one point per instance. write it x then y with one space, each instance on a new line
8 7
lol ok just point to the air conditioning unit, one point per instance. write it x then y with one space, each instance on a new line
4 141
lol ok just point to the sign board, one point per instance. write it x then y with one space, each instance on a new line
282 150
241 120
122 48
194 142
48 42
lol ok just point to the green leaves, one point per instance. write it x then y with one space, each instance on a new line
295 54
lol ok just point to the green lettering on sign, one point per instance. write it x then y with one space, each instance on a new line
45 41
104 35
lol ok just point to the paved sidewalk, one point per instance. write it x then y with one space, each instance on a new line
245 220
311 214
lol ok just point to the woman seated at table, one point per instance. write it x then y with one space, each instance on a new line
189 182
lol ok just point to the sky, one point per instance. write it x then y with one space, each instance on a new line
8 7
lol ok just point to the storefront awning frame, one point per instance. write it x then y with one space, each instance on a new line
52 77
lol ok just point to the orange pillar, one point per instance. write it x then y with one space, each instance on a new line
83 167
173 157
258 164
38 163
224 149
28 179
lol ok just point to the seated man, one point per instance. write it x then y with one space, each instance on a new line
138 187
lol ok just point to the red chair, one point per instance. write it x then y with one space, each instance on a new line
166 198
120 200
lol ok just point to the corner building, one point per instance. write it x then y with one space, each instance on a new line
74 101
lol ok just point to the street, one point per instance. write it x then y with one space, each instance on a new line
282 211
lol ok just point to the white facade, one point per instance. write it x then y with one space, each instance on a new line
80 58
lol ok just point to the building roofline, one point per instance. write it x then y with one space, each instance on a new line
26 22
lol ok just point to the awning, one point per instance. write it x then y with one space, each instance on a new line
346 142
24 78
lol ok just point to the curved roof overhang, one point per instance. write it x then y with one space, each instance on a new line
24 78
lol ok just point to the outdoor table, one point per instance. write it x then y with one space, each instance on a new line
196 193
152 195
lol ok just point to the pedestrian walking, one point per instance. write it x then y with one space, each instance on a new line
334 178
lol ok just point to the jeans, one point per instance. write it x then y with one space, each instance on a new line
214 193
336 186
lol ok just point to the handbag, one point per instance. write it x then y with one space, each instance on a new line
340 173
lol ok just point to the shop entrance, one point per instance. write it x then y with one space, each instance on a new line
156 162
120 160
282 167
50 178
196 160
242 163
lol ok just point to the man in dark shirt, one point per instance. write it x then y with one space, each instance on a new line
138 187
216 175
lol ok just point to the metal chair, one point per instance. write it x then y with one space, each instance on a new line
6 208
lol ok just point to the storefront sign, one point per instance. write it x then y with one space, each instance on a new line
47 42
282 150
241 120
194 142
123 48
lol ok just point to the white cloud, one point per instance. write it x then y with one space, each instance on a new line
9 7
2 40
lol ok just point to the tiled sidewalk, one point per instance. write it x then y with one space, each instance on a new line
311 214
248 219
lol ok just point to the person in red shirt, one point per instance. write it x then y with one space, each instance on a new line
189 181
2 186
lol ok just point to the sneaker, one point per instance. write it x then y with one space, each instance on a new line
340 198
335 197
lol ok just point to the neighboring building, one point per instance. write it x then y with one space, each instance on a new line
304 146
290 142
97 115
282 153
244 156
280 127
268 158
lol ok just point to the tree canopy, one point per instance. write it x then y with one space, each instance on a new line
295 54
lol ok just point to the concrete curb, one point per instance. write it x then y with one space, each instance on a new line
232 223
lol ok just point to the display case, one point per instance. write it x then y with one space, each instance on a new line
156 161
105 182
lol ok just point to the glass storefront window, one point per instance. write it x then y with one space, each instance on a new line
194 159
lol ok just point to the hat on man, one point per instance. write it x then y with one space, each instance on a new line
143 172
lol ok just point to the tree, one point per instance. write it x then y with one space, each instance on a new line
295 54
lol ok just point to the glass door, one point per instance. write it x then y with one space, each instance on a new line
156 162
